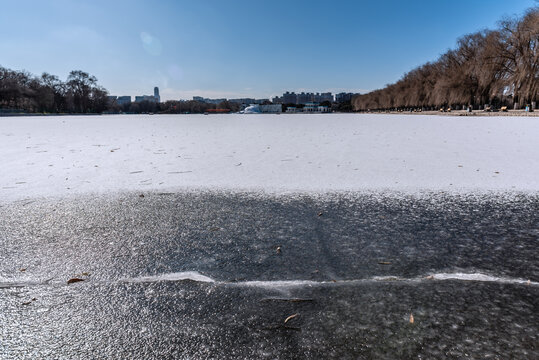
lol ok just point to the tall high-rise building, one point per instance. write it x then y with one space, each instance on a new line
303 98
289 98
326 97
156 94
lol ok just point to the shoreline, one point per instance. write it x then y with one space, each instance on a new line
458 113
432 112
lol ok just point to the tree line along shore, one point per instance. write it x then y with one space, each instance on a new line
488 69
22 93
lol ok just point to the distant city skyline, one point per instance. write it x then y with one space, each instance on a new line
238 49
286 98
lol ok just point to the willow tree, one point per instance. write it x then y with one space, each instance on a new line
485 67
518 48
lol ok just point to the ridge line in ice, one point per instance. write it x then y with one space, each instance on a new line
479 277
279 284
196 276
177 276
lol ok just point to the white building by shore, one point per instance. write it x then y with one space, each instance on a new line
263 109
309 108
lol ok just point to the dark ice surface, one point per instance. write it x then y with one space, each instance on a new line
213 275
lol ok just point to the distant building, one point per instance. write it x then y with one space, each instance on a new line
208 101
142 98
292 109
248 101
289 98
323 109
214 101
151 98
310 107
277 100
326 97
121 100
302 98
344 97
242 101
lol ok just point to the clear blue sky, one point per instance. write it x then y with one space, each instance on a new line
238 48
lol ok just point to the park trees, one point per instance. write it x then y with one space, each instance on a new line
518 49
21 91
83 94
487 67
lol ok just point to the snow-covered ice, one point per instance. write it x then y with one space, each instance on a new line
59 155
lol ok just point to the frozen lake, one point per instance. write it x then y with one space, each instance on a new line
43 156
203 275
269 237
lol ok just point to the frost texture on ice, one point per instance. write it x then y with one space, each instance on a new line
49 156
